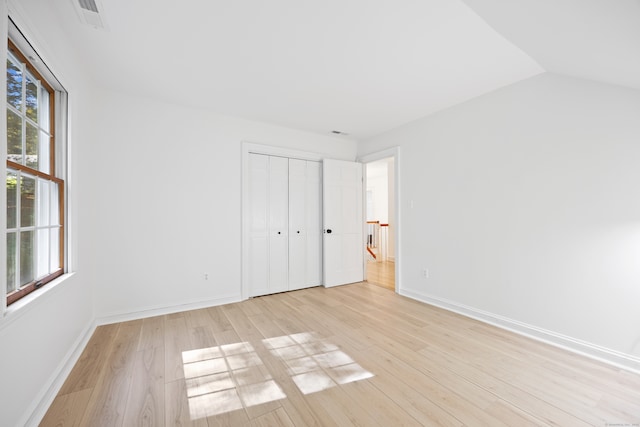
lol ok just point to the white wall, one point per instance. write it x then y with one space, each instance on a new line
378 185
391 254
167 202
38 339
154 203
526 207
528 211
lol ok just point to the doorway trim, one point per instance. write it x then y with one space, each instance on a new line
385 154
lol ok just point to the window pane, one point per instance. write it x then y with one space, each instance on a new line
14 84
27 252
32 98
27 201
43 120
12 199
14 137
55 204
44 165
11 262
32 146
44 214
55 249
34 212
43 252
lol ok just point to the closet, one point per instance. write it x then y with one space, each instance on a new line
285 224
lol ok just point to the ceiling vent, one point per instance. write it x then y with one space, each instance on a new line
90 13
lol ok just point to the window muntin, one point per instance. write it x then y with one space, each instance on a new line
29 107
35 195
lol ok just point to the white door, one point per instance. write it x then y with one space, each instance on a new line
297 226
268 224
278 224
343 235
314 223
304 224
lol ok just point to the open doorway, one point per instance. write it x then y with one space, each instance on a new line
380 223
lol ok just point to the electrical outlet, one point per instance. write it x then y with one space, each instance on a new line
425 273
206 276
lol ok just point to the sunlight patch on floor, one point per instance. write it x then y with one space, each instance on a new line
229 377
314 363
226 378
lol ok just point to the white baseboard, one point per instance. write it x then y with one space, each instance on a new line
611 357
36 413
160 311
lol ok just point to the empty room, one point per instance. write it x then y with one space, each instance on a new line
330 213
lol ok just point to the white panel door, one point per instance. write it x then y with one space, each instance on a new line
314 223
278 224
305 225
285 224
297 226
343 227
258 225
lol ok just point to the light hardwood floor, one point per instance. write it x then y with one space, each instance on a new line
382 274
350 355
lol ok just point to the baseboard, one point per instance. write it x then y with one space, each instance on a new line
36 413
611 357
160 311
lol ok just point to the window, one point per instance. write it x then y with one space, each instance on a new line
35 185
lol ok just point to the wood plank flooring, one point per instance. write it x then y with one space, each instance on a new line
382 274
351 355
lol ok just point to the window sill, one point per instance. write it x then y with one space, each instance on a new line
31 301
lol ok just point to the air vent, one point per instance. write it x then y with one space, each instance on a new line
90 13
89 5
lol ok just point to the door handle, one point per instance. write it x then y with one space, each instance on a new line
329 231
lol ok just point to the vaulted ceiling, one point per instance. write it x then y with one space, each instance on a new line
358 66
592 39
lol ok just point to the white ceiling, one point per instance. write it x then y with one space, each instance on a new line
358 66
592 39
